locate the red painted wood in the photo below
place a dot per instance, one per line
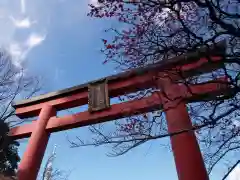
(32, 158)
(130, 85)
(188, 159)
(117, 110)
(23, 131)
(118, 87)
(200, 64)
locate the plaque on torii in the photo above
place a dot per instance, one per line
(98, 98)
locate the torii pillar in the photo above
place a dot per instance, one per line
(188, 158)
(187, 155)
(32, 158)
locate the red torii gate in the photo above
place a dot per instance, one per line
(188, 158)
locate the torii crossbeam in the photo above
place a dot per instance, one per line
(188, 158)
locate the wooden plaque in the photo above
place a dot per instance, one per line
(98, 98)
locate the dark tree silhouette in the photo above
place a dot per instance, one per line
(14, 82)
(154, 31)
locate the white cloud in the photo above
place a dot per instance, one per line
(20, 50)
(95, 3)
(17, 52)
(22, 23)
(15, 49)
(23, 6)
(19, 28)
(235, 174)
(35, 40)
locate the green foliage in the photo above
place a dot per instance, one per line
(8, 151)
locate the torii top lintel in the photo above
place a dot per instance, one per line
(192, 63)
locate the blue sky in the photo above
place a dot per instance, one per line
(55, 40)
